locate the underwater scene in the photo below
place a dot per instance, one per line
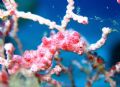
(59, 43)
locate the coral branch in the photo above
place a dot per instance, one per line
(10, 4)
(11, 7)
(102, 41)
(114, 69)
(42, 58)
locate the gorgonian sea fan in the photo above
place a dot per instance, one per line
(42, 57)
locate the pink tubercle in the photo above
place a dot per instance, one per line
(68, 40)
(118, 1)
(84, 22)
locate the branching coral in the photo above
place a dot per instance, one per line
(42, 58)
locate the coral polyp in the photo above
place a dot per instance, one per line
(33, 62)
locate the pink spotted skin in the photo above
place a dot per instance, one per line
(41, 59)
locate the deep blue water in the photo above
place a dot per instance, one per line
(101, 13)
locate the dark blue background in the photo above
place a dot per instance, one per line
(101, 13)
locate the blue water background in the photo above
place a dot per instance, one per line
(101, 13)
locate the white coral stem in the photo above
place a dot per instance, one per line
(102, 41)
(11, 7)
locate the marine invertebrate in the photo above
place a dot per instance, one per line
(42, 58)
